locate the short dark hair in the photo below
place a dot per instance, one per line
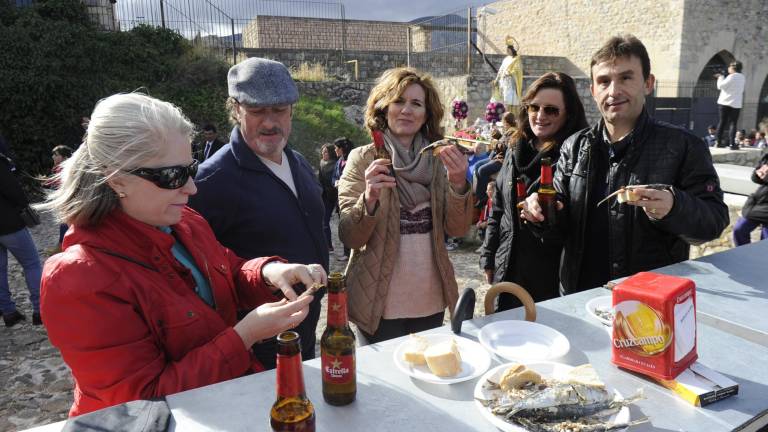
(619, 46)
(736, 65)
(209, 128)
(63, 151)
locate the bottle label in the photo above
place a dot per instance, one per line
(337, 309)
(338, 369)
(290, 376)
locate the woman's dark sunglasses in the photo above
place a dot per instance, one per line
(172, 177)
(548, 110)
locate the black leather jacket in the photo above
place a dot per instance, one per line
(756, 207)
(660, 153)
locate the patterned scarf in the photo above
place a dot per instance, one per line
(413, 171)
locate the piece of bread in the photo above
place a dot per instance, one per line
(415, 354)
(443, 359)
(518, 376)
(585, 375)
(627, 195)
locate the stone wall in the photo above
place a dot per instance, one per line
(738, 27)
(266, 31)
(370, 63)
(681, 36)
(348, 93)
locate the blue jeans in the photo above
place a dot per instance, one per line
(743, 228)
(21, 245)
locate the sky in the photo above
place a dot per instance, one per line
(404, 10)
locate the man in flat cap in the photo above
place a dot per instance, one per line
(260, 197)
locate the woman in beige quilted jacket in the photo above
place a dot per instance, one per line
(396, 205)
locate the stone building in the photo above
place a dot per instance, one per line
(686, 39)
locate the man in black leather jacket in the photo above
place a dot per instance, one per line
(677, 202)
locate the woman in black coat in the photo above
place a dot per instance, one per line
(551, 111)
(330, 195)
(755, 210)
(16, 239)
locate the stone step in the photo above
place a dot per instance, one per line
(736, 179)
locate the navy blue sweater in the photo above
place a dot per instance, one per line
(256, 214)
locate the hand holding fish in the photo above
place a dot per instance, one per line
(456, 164)
(377, 178)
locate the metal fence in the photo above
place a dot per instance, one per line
(692, 105)
(445, 44)
(227, 26)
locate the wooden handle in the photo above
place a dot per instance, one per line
(517, 291)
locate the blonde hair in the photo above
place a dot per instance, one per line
(125, 131)
(390, 86)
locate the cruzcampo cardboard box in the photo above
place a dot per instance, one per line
(700, 385)
(654, 325)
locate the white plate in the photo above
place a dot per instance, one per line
(523, 340)
(602, 303)
(545, 369)
(474, 360)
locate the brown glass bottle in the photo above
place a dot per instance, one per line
(292, 411)
(547, 194)
(337, 347)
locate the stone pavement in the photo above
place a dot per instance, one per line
(37, 386)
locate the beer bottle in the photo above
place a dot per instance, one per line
(547, 195)
(292, 411)
(337, 347)
(520, 191)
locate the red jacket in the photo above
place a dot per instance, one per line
(127, 320)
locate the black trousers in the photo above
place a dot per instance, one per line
(728, 118)
(392, 328)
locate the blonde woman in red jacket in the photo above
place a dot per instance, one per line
(143, 300)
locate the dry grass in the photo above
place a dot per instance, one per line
(309, 72)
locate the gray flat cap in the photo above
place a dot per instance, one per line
(261, 82)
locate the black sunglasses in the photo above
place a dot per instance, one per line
(172, 177)
(548, 110)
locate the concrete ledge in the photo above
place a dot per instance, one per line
(736, 179)
(744, 156)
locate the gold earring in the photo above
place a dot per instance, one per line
(121, 194)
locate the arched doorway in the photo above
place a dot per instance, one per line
(762, 105)
(704, 102)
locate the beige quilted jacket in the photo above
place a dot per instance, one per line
(375, 238)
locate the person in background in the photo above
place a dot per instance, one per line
(760, 140)
(679, 200)
(485, 213)
(399, 277)
(59, 154)
(755, 211)
(143, 300)
(342, 147)
(330, 195)
(212, 142)
(711, 137)
(261, 197)
(729, 104)
(491, 166)
(551, 112)
(16, 239)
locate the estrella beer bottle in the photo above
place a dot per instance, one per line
(547, 194)
(292, 411)
(337, 347)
